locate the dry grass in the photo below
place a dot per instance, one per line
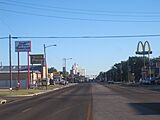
(7, 92)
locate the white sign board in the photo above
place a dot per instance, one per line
(23, 46)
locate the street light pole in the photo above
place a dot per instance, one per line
(45, 61)
(65, 62)
(65, 65)
(128, 67)
(44, 48)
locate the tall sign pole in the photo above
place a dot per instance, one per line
(23, 46)
(144, 52)
(10, 62)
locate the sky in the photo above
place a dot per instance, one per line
(77, 18)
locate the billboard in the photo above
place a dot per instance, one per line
(22, 46)
(37, 59)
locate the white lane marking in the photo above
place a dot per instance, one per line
(26, 110)
(65, 109)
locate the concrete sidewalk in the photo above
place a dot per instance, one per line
(109, 105)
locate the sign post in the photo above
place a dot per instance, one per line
(144, 52)
(36, 59)
(18, 72)
(23, 46)
(28, 72)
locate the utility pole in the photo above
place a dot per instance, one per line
(10, 62)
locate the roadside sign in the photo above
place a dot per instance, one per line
(37, 59)
(22, 46)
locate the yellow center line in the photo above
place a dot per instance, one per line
(88, 111)
(92, 116)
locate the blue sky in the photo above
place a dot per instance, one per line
(93, 54)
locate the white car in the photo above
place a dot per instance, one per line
(63, 82)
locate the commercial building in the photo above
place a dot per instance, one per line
(35, 76)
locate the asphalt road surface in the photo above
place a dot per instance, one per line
(87, 101)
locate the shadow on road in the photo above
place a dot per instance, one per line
(146, 108)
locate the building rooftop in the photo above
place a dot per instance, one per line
(22, 68)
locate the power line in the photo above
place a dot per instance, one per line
(78, 12)
(7, 25)
(84, 10)
(84, 37)
(74, 18)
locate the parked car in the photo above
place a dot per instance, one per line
(148, 81)
(57, 81)
(110, 82)
(157, 81)
(63, 82)
(52, 82)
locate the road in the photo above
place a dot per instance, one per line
(115, 102)
(87, 101)
(73, 103)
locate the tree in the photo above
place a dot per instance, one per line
(51, 70)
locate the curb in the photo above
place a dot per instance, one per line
(53, 89)
(30, 95)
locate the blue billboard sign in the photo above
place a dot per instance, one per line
(22, 46)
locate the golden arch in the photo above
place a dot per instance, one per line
(148, 45)
(144, 51)
(138, 46)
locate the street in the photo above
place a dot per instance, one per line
(115, 102)
(73, 103)
(87, 101)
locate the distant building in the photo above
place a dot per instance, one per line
(82, 72)
(77, 74)
(91, 76)
(35, 74)
(77, 71)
